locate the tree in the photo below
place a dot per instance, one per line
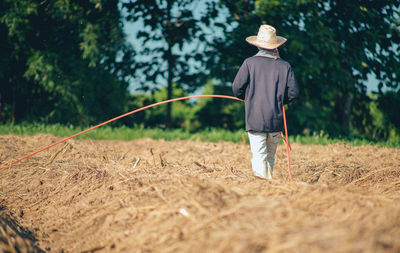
(333, 47)
(171, 35)
(59, 60)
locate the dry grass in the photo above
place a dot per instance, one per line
(184, 196)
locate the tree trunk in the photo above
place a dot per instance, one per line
(169, 89)
(346, 112)
(13, 107)
(170, 66)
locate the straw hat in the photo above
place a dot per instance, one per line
(266, 38)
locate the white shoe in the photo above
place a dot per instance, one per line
(261, 176)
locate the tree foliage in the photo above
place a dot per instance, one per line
(333, 47)
(58, 60)
(67, 61)
(171, 50)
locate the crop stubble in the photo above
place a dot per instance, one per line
(187, 196)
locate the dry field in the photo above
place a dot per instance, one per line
(186, 196)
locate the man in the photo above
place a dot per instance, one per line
(266, 83)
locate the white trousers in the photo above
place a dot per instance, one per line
(263, 147)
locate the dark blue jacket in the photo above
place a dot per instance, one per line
(265, 84)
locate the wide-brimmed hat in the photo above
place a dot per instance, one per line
(266, 38)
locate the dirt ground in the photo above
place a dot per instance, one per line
(187, 196)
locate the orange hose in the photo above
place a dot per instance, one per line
(116, 118)
(286, 140)
(287, 143)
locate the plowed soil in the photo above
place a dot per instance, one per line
(187, 196)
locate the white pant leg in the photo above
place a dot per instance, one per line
(272, 144)
(263, 147)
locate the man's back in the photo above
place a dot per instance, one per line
(263, 82)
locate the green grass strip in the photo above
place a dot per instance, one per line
(209, 135)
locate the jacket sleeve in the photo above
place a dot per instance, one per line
(292, 88)
(241, 81)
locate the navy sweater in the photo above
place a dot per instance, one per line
(265, 84)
